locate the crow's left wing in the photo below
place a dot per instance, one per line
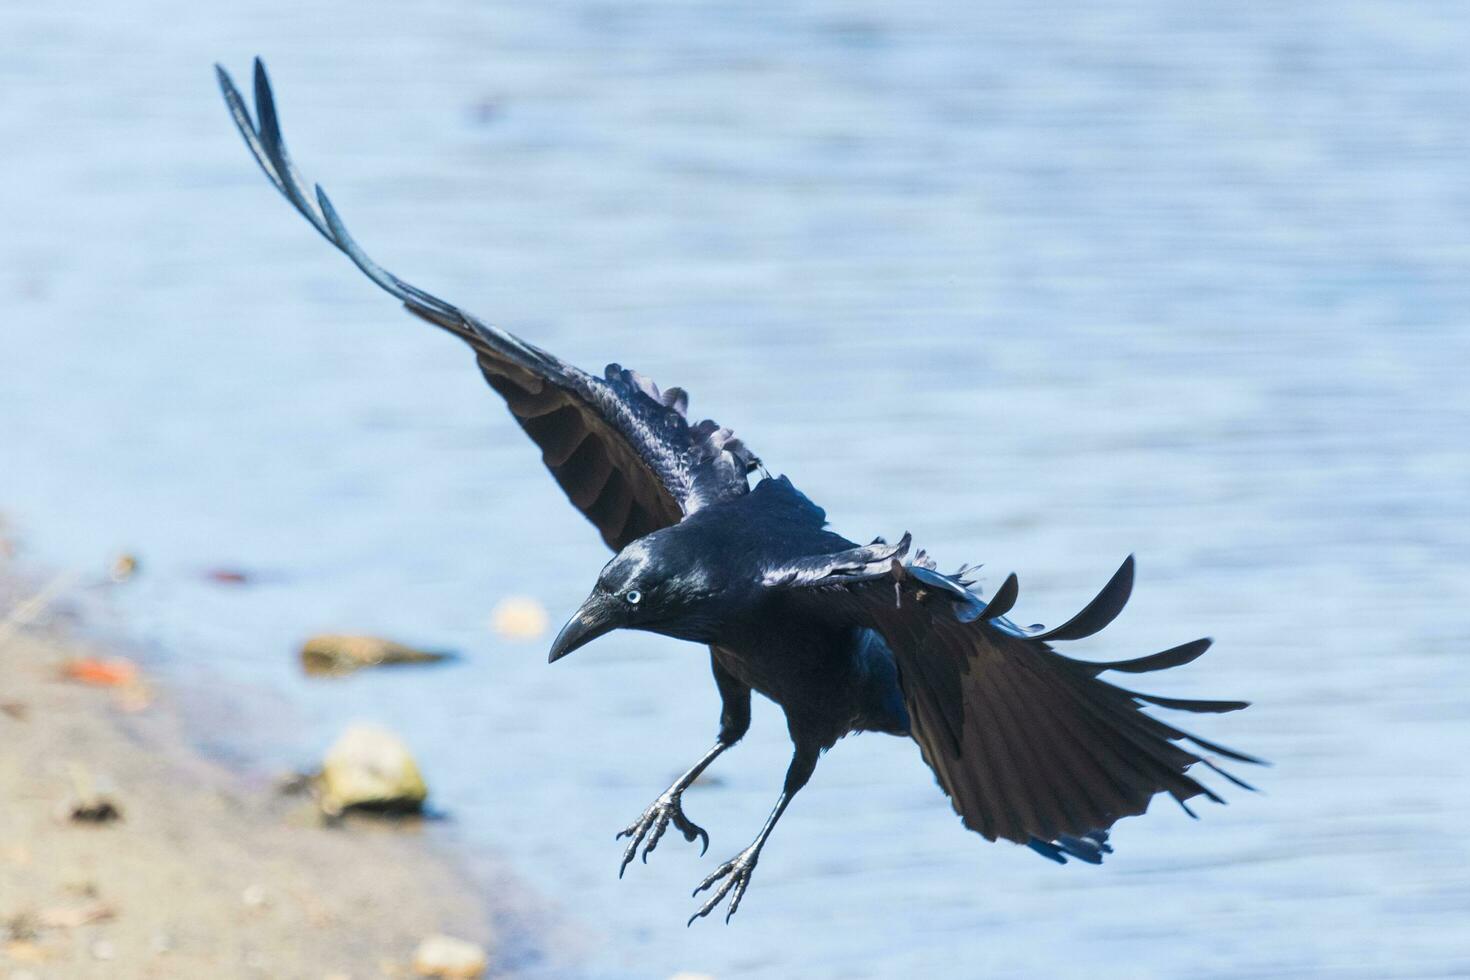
(1030, 746)
(621, 449)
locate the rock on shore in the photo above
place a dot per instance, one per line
(343, 653)
(371, 768)
(447, 958)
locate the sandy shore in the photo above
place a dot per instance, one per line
(203, 875)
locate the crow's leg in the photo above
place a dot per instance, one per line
(737, 870)
(666, 809)
(734, 723)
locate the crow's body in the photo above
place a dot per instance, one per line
(834, 679)
(1030, 746)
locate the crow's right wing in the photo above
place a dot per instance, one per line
(1029, 745)
(621, 449)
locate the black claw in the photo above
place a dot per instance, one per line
(692, 832)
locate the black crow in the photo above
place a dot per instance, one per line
(1030, 746)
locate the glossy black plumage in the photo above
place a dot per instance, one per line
(1031, 746)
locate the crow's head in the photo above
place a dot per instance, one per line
(659, 583)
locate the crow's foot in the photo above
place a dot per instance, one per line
(652, 824)
(736, 872)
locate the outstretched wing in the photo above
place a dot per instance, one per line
(623, 450)
(1031, 746)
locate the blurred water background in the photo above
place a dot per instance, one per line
(1043, 287)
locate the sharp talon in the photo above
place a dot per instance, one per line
(658, 832)
(737, 895)
(632, 849)
(714, 877)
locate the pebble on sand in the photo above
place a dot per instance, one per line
(447, 958)
(89, 803)
(255, 897)
(519, 618)
(370, 768)
(342, 653)
(93, 809)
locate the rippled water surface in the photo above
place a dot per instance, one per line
(1041, 288)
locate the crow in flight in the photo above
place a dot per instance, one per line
(1030, 746)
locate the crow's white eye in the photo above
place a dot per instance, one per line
(633, 596)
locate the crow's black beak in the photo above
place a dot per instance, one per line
(594, 618)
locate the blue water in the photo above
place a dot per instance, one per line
(1042, 287)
